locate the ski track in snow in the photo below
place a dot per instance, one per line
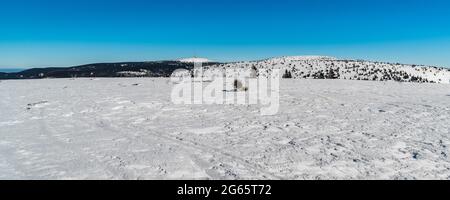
(129, 129)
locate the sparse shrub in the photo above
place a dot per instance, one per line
(238, 86)
(287, 74)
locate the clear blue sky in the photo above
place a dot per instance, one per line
(38, 33)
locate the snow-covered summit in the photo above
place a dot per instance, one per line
(195, 60)
(325, 67)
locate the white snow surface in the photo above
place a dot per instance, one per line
(129, 129)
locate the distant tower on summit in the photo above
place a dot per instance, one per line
(195, 59)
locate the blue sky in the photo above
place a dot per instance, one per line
(42, 33)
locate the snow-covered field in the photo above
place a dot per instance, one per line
(129, 129)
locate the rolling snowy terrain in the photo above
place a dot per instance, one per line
(323, 67)
(129, 129)
(297, 67)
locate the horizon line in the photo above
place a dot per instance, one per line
(217, 61)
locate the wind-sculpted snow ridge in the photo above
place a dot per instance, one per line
(322, 67)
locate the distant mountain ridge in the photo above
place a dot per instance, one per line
(309, 67)
(123, 69)
(11, 70)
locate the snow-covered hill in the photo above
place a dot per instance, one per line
(298, 67)
(322, 67)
